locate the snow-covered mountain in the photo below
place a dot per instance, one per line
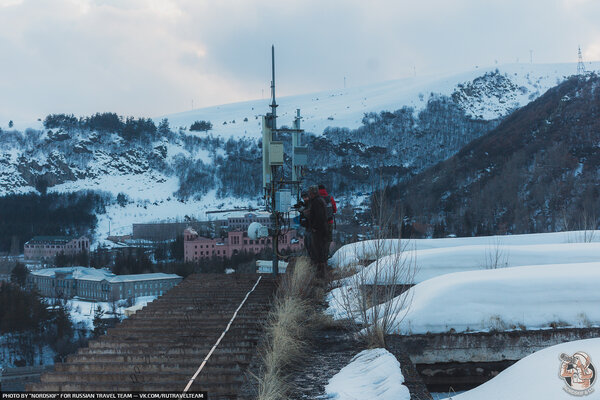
(173, 173)
(536, 172)
(491, 97)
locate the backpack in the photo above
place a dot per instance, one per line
(328, 208)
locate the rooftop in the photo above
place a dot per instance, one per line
(245, 214)
(93, 274)
(52, 239)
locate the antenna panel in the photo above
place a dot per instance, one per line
(300, 156)
(276, 153)
(283, 200)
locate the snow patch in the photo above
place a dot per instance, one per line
(535, 376)
(372, 374)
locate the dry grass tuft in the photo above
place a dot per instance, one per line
(300, 282)
(272, 386)
(289, 326)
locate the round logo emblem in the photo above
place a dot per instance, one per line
(578, 372)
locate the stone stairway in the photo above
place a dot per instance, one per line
(161, 347)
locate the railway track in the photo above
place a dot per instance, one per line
(162, 346)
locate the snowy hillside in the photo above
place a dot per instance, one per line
(494, 97)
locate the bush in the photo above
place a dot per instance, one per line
(122, 199)
(19, 274)
(139, 129)
(64, 121)
(201, 126)
(20, 310)
(105, 122)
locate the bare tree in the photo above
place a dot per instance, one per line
(587, 226)
(496, 255)
(376, 296)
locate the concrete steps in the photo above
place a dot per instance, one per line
(161, 347)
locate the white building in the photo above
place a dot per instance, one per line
(99, 284)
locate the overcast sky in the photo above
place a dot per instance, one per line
(154, 57)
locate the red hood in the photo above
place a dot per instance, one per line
(323, 192)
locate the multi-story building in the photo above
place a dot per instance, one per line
(197, 247)
(99, 284)
(47, 247)
(229, 221)
(239, 221)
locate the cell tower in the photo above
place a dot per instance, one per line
(580, 64)
(278, 191)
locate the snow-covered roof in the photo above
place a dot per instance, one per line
(143, 277)
(464, 285)
(93, 274)
(51, 239)
(266, 267)
(244, 214)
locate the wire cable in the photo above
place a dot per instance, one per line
(220, 338)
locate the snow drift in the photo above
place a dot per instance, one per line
(529, 297)
(535, 376)
(372, 374)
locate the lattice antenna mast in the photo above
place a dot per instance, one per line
(277, 189)
(580, 64)
(273, 103)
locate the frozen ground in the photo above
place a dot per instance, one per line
(354, 253)
(536, 376)
(531, 297)
(429, 263)
(540, 281)
(82, 312)
(372, 374)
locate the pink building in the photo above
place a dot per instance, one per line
(48, 247)
(197, 247)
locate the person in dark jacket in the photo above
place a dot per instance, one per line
(304, 207)
(331, 209)
(317, 219)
